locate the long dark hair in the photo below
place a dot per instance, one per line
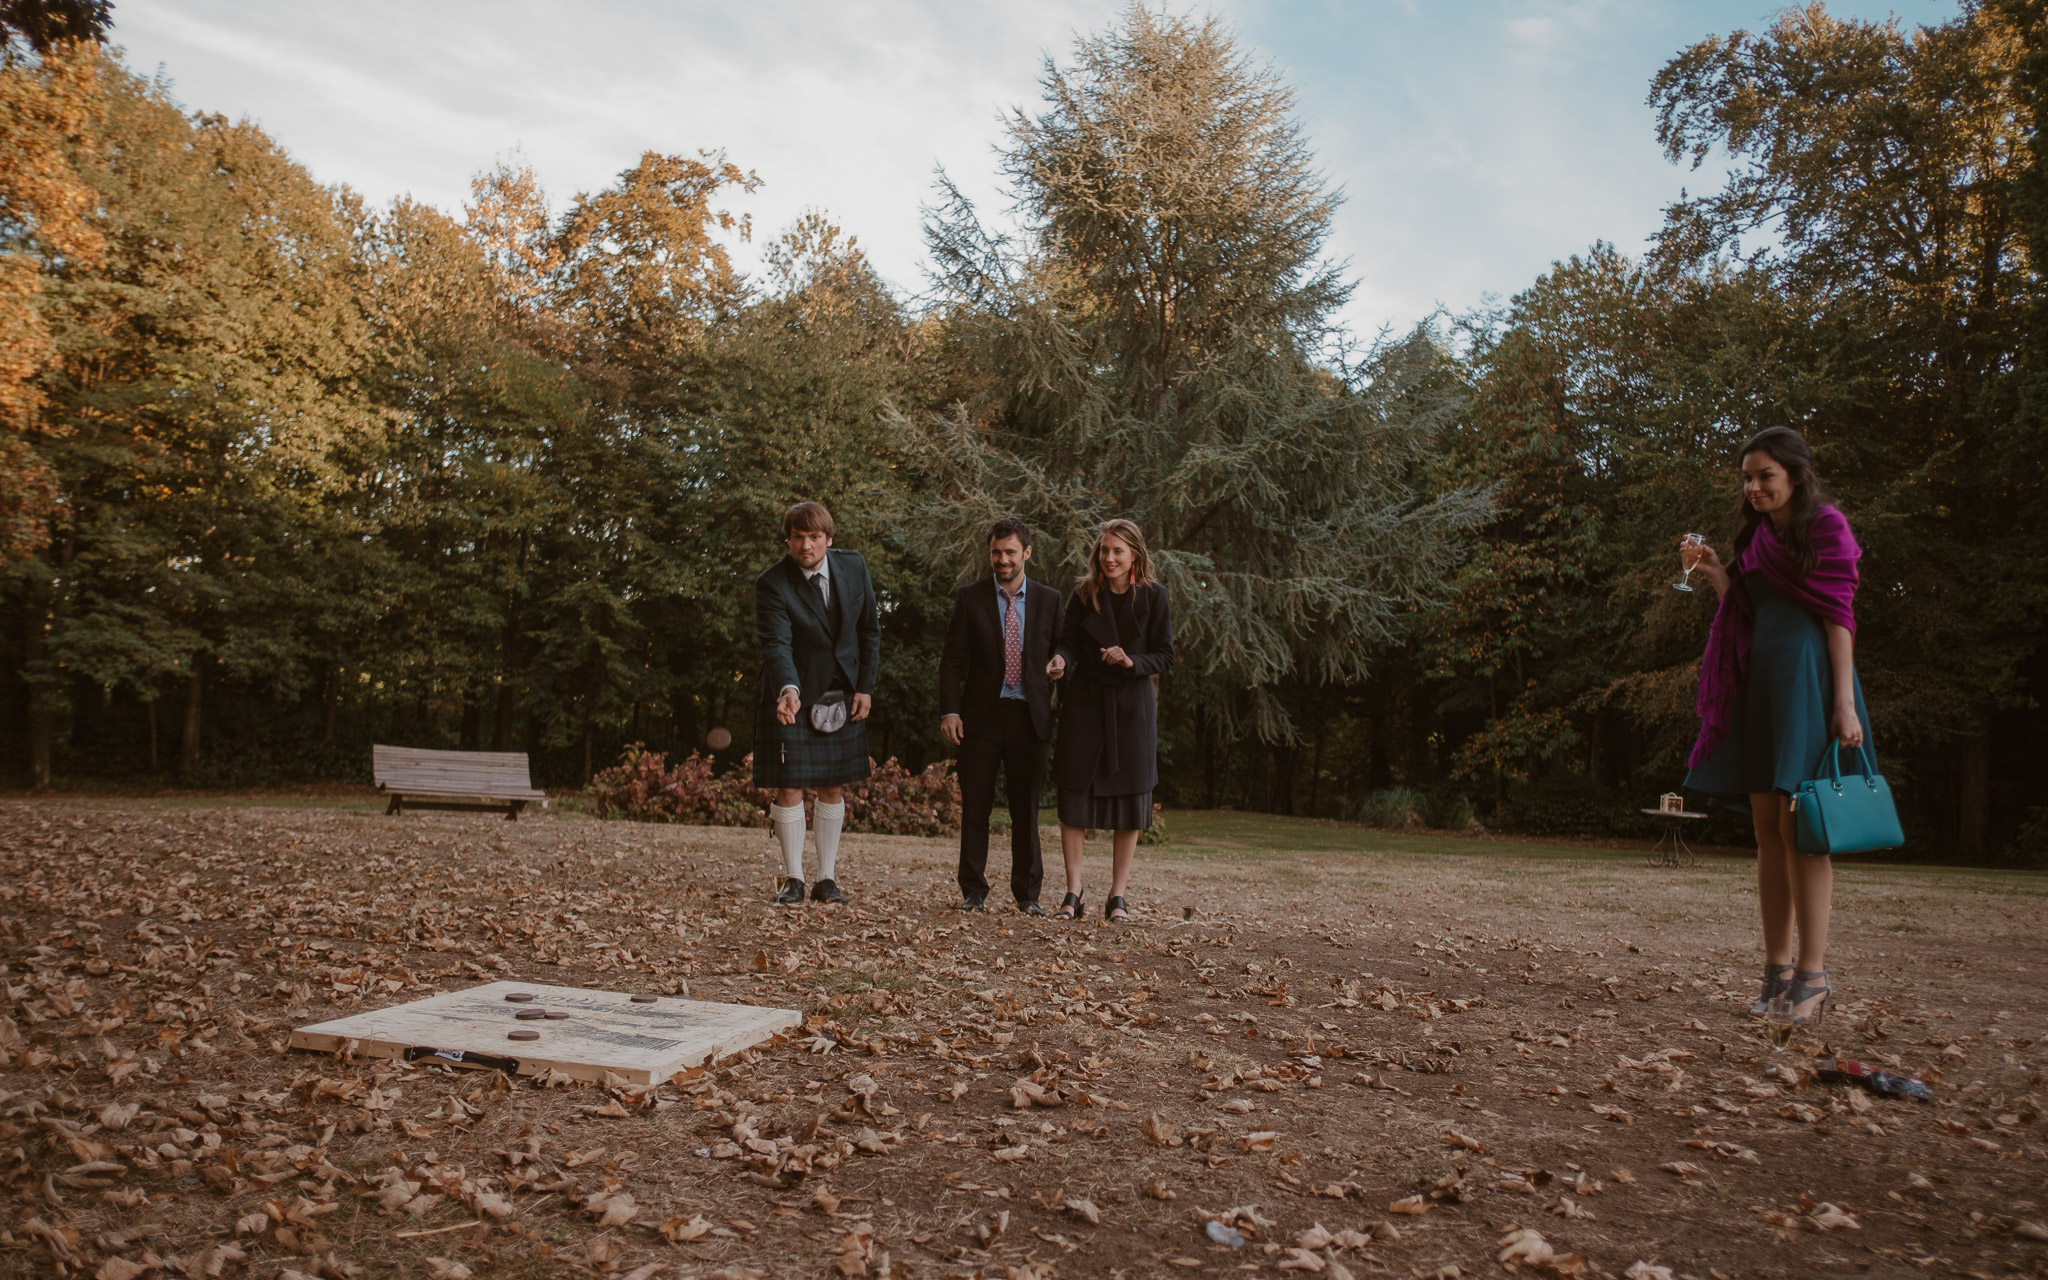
(1789, 450)
(1090, 587)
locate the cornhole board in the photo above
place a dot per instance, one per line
(604, 1032)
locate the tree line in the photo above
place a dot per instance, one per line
(283, 473)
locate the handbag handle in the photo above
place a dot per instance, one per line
(1835, 762)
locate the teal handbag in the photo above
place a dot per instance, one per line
(1846, 815)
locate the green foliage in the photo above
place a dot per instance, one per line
(1158, 833)
(1406, 809)
(1160, 344)
(1396, 808)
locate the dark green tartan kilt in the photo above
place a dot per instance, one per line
(796, 755)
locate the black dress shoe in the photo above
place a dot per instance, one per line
(973, 904)
(1031, 908)
(792, 894)
(826, 891)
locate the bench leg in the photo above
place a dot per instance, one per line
(397, 805)
(512, 810)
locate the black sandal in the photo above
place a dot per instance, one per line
(1114, 905)
(1069, 909)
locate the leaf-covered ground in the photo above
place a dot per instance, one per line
(1406, 1061)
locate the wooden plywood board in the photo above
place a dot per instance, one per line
(604, 1032)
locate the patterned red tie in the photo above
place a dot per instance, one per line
(1013, 644)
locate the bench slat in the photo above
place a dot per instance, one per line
(423, 772)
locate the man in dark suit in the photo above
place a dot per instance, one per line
(995, 705)
(821, 647)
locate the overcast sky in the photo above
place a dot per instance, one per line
(1476, 141)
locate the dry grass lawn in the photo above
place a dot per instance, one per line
(1342, 1052)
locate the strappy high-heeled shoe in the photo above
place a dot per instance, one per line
(1777, 981)
(1070, 908)
(1804, 990)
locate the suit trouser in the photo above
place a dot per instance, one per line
(1011, 741)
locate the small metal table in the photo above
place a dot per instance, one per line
(1671, 850)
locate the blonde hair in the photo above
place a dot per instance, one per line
(1089, 588)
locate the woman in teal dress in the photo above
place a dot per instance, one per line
(1777, 686)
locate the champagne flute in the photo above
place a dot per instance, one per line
(1778, 1020)
(1688, 556)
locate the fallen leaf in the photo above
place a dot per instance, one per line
(1085, 1209)
(683, 1232)
(447, 1269)
(1414, 1205)
(1526, 1246)
(1159, 1132)
(1828, 1217)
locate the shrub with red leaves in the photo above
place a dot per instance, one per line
(892, 800)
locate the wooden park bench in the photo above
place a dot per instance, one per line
(486, 781)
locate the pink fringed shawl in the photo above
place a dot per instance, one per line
(1829, 593)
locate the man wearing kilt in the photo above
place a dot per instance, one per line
(821, 646)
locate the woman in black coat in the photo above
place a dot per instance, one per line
(1118, 634)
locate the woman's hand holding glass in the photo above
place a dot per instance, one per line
(1698, 556)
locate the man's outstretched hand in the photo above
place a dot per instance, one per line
(952, 728)
(788, 705)
(862, 704)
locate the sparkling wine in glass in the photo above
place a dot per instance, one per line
(1688, 556)
(1778, 1020)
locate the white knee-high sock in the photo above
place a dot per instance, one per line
(788, 825)
(826, 821)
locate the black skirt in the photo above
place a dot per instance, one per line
(1080, 808)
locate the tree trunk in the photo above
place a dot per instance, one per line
(1973, 818)
(1315, 770)
(331, 700)
(195, 699)
(151, 704)
(501, 732)
(40, 731)
(1379, 773)
(472, 723)
(1208, 758)
(1281, 799)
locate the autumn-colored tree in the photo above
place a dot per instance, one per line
(48, 106)
(203, 390)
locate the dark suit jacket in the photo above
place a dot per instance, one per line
(971, 664)
(801, 646)
(1109, 719)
